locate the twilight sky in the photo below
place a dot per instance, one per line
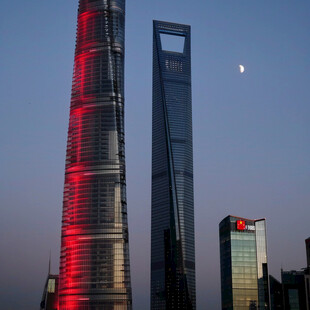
(251, 133)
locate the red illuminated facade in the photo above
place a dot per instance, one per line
(94, 261)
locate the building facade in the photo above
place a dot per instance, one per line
(244, 270)
(295, 293)
(307, 242)
(276, 296)
(307, 270)
(94, 261)
(49, 299)
(172, 244)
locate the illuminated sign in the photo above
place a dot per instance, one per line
(240, 225)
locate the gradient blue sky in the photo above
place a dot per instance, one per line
(251, 133)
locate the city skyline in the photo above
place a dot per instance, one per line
(251, 133)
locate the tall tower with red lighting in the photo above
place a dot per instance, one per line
(94, 260)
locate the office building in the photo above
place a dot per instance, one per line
(295, 294)
(172, 244)
(276, 296)
(244, 270)
(94, 261)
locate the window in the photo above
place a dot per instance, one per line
(51, 286)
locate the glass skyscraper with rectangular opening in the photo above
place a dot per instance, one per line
(94, 261)
(244, 269)
(173, 242)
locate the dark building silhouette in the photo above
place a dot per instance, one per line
(244, 271)
(307, 241)
(294, 291)
(49, 299)
(276, 296)
(173, 244)
(307, 271)
(295, 294)
(94, 260)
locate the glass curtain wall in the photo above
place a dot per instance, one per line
(173, 245)
(94, 261)
(244, 270)
(244, 273)
(262, 269)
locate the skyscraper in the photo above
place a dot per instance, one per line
(244, 270)
(173, 244)
(94, 261)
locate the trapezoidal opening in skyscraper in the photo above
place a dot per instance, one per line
(172, 43)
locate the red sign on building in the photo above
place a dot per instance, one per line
(240, 225)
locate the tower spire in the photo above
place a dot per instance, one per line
(49, 264)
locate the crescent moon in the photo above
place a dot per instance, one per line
(241, 68)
